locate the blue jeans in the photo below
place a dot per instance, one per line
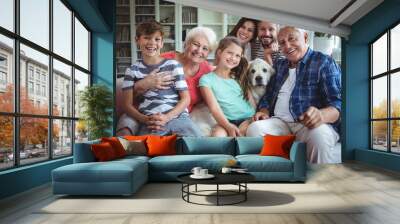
(181, 125)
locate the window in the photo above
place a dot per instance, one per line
(62, 74)
(30, 72)
(3, 78)
(38, 74)
(30, 87)
(3, 71)
(46, 129)
(81, 45)
(3, 61)
(7, 14)
(35, 22)
(37, 89)
(385, 94)
(62, 29)
(7, 73)
(44, 91)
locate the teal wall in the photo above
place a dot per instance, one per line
(103, 51)
(24, 178)
(356, 85)
(99, 17)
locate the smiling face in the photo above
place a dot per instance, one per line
(246, 32)
(230, 56)
(292, 43)
(267, 33)
(150, 44)
(197, 49)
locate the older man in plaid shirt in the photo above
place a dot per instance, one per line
(303, 98)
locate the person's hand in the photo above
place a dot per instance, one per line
(312, 118)
(260, 116)
(233, 131)
(159, 80)
(157, 121)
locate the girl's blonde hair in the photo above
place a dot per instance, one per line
(239, 73)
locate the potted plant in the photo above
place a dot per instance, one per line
(323, 42)
(96, 102)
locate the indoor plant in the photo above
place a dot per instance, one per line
(96, 102)
(323, 42)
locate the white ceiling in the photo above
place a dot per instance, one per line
(316, 15)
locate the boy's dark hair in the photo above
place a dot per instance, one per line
(148, 28)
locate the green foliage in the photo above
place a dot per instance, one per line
(97, 102)
(319, 34)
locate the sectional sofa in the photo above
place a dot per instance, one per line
(125, 176)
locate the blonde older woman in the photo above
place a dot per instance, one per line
(199, 43)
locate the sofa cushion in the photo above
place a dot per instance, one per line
(277, 145)
(111, 171)
(257, 163)
(207, 145)
(83, 152)
(161, 145)
(134, 147)
(185, 163)
(116, 145)
(103, 152)
(249, 145)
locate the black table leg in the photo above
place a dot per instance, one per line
(245, 193)
(217, 194)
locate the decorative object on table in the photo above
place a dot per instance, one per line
(200, 173)
(232, 163)
(196, 170)
(237, 170)
(96, 102)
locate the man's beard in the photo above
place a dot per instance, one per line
(266, 41)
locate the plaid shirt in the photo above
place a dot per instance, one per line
(318, 84)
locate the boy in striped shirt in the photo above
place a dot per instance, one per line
(160, 111)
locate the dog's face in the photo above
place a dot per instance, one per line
(260, 72)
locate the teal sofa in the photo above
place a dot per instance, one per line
(125, 176)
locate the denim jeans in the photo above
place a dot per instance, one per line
(181, 125)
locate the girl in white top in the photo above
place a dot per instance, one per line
(246, 31)
(226, 90)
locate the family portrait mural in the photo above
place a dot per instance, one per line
(246, 78)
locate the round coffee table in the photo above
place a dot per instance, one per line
(238, 179)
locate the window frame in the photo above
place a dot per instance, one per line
(388, 74)
(16, 114)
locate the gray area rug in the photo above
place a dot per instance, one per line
(166, 198)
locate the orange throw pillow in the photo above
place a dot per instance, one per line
(277, 145)
(161, 145)
(116, 145)
(103, 151)
(136, 137)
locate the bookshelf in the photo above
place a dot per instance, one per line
(177, 20)
(123, 36)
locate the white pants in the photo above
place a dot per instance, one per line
(320, 141)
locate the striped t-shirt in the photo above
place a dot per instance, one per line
(156, 100)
